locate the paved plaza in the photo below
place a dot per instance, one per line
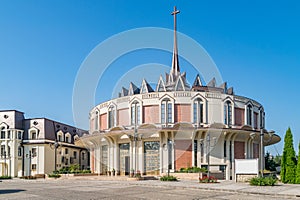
(94, 188)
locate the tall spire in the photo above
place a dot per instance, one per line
(175, 62)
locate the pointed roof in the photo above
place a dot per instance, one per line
(145, 88)
(224, 86)
(197, 81)
(179, 84)
(161, 87)
(212, 83)
(133, 89)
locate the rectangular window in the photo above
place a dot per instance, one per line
(75, 155)
(133, 115)
(229, 115)
(66, 151)
(83, 156)
(19, 151)
(169, 113)
(201, 112)
(111, 118)
(225, 114)
(19, 135)
(8, 134)
(138, 115)
(3, 150)
(163, 113)
(225, 153)
(33, 135)
(33, 167)
(2, 134)
(33, 152)
(195, 112)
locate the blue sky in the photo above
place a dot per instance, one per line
(255, 45)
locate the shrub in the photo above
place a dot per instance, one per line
(54, 175)
(5, 177)
(192, 170)
(263, 181)
(208, 179)
(168, 178)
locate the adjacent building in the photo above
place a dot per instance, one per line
(175, 125)
(37, 146)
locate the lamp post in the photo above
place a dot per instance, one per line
(55, 146)
(208, 147)
(168, 147)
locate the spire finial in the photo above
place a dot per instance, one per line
(175, 62)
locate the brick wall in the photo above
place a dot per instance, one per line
(183, 154)
(150, 114)
(123, 117)
(92, 159)
(103, 121)
(239, 150)
(182, 113)
(239, 116)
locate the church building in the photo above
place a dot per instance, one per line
(175, 125)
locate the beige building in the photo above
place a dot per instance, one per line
(37, 146)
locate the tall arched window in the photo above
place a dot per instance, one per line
(262, 118)
(96, 120)
(166, 111)
(2, 133)
(198, 111)
(228, 113)
(111, 117)
(249, 115)
(135, 113)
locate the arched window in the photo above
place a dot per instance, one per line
(60, 137)
(228, 113)
(166, 111)
(249, 115)
(33, 135)
(68, 138)
(198, 111)
(135, 113)
(111, 117)
(2, 133)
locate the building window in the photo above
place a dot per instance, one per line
(228, 113)
(19, 151)
(224, 149)
(33, 152)
(19, 135)
(3, 153)
(96, 121)
(66, 151)
(135, 113)
(198, 111)
(33, 167)
(111, 117)
(8, 134)
(33, 135)
(75, 155)
(166, 109)
(2, 133)
(249, 115)
(82, 155)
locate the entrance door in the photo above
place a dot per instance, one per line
(151, 157)
(124, 159)
(104, 159)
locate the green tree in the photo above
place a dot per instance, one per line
(288, 161)
(298, 167)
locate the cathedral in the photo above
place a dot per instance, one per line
(175, 125)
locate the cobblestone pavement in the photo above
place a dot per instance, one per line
(99, 189)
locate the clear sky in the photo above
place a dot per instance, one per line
(255, 45)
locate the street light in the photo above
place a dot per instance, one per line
(208, 147)
(262, 147)
(168, 147)
(55, 146)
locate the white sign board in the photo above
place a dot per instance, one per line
(246, 166)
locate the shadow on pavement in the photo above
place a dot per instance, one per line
(10, 191)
